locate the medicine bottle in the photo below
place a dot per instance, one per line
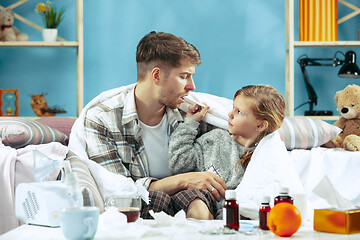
(231, 210)
(283, 196)
(264, 212)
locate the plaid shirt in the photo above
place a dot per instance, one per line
(113, 136)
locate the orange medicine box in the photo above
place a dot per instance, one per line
(337, 221)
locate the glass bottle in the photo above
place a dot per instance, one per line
(283, 196)
(231, 210)
(72, 183)
(264, 212)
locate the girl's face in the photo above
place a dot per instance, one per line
(241, 121)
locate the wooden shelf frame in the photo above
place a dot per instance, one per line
(350, 15)
(291, 44)
(39, 44)
(61, 43)
(338, 44)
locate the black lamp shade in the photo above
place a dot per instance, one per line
(349, 69)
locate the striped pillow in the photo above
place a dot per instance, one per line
(19, 132)
(86, 181)
(306, 133)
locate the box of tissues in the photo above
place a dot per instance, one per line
(337, 221)
(343, 217)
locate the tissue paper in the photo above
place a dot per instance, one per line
(163, 219)
(113, 225)
(326, 190)
(343, 218)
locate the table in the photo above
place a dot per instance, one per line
(189, 229)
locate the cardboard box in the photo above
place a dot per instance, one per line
(337, 221)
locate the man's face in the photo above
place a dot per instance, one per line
(177, 84)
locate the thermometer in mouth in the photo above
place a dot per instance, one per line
(188, 100)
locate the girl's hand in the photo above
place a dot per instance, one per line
(196, 112)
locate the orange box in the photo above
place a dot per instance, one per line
(337, 221)
(318, 20)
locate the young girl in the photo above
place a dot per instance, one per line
(258, 111)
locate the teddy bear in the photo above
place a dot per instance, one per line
(7, 31)
(348, 105)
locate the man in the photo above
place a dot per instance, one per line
(128, 133)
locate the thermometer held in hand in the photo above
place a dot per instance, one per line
(188, 100)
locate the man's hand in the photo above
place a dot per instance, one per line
(192, 180)
(196, 112)
(206, 181)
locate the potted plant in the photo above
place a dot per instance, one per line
(52, 18)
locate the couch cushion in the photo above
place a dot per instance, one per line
(63, 124)
(19, 132)
(86, 180)
(305, 133)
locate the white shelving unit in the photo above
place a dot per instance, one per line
(291, 44)
(61, 43)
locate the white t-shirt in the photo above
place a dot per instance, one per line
(156, 142)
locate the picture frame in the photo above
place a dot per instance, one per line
(9, 102)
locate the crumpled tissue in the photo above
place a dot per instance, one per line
(113, 225)
(163, 219)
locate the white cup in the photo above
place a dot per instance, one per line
(79, 223)
(300, 202)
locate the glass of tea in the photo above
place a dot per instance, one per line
(130, 206)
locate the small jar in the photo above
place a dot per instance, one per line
(231, 210)
(283, 196)
(264, 212)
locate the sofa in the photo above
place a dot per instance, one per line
(18, 134)
(303, 138)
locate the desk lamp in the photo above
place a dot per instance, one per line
(348, 70)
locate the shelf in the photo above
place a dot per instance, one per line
(61, 43)
(34, 118)
(325, 118)
(40, 44)
(336, 44)
(291, 45)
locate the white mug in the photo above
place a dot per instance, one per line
(79, 223)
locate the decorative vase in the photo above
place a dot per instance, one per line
(49, 34)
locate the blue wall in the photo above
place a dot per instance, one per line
(241, 42)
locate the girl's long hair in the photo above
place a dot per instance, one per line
(268, 104)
